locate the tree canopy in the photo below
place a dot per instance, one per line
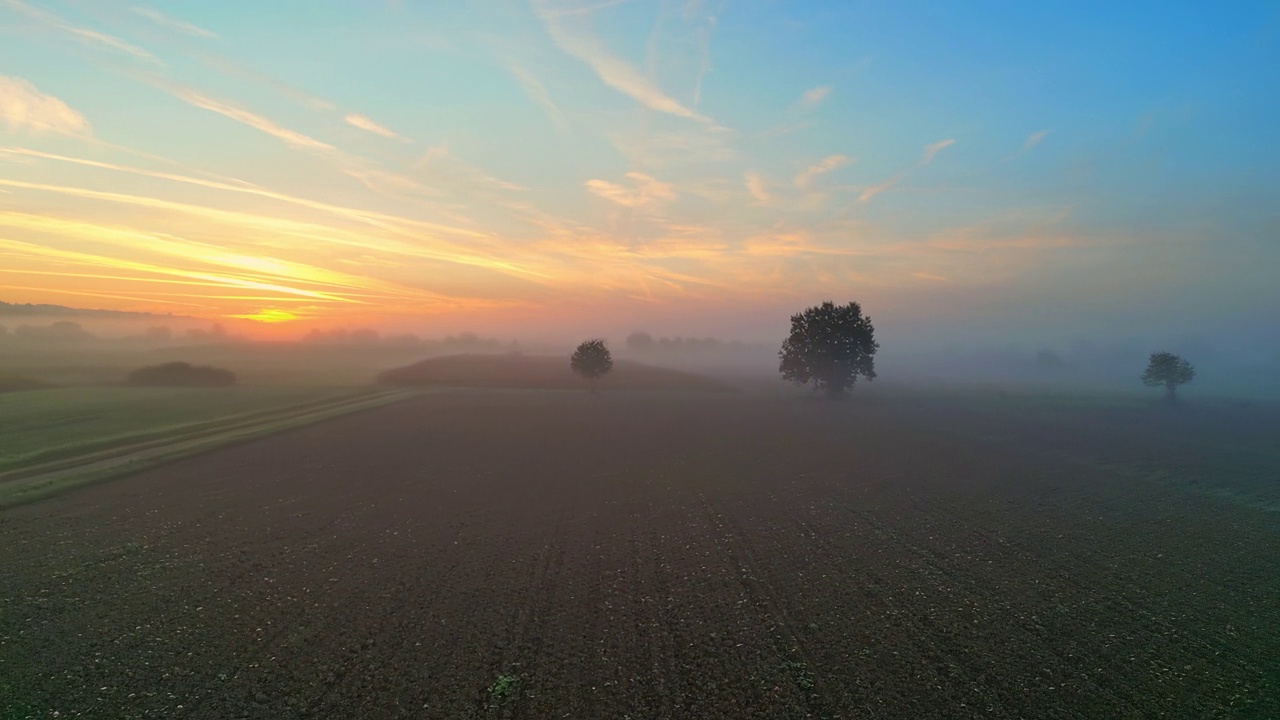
(1169, 370)
(830, 346)
(592, 360)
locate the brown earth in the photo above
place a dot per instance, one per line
(556, 555)
(542, 372)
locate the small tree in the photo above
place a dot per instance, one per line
(1169, 370)
(829, 346)
(592, 360)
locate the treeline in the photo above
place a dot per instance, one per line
(642, 342)
(67, 331)
(461, 342)
(64, 332)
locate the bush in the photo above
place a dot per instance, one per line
(180, 374)
(17, 383)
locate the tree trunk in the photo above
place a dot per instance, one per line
(1172, 392)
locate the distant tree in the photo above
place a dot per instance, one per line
(639, 342)
(592, 361)
(217, 332)
(403, 340)
(1169, 370)
(466, 341)
(829, 346)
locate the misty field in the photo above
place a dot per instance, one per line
(548, 555)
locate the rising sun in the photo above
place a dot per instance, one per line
(268, 315)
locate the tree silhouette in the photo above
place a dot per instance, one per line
(592, 360)
(830, 346)
(1169, 370)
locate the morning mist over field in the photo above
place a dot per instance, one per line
(979, 179)
(661, 359)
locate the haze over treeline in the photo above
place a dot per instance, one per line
(1239, 364)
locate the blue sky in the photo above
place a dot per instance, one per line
(1027, 169)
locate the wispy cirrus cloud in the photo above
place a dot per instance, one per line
(183, 251)
(615, 72)
(537, 92)
(709, 17)
(584, 9)
(704, 64)
(269, 230)
(931, 151)
(806, 177)
(813, 97)
(289, 137)
(95, 260)
(645, 191)
(880, 187)
(1034, 139)
(23, 107)
(92, 37)
(756, 186)
(364, 123)
(368, 217)
(793, 117)
(789, 244)
(239, 71)
(170, 23)
(929, 276)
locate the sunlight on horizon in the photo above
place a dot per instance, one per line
(268, 315)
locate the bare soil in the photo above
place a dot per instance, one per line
(553, 555)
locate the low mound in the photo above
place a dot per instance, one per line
(542, 373)
(180, 374)
(17, 383)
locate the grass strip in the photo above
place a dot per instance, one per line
(26, 485)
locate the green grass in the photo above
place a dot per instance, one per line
(44, 425)
(35, 482)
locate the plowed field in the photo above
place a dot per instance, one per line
(544, 555)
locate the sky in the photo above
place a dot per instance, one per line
(1038, 170)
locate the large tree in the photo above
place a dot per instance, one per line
(592, 361)
(830, 346)
(1169, 370)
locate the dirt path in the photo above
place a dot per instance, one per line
(521, 555)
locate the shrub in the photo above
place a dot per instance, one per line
(181, 374)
